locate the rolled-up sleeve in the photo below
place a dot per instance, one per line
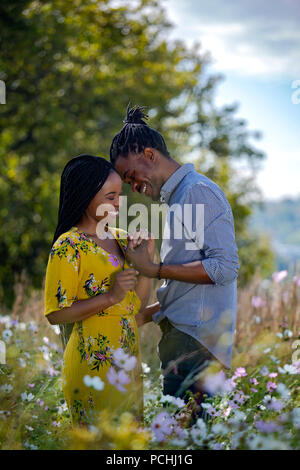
(220, 253)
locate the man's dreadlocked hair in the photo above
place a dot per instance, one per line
(81, 179)
(136, 135)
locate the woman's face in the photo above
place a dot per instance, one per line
(108, 194)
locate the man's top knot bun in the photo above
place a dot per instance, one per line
(135, 115)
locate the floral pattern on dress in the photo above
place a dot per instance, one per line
(96, 351)
(128, 338)
(92, 287)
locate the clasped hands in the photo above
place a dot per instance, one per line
(140, 253)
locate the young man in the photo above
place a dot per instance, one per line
(197, 303)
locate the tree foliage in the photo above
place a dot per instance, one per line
(70, 68)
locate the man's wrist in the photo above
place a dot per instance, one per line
(153, 270)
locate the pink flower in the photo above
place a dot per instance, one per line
(240, 372)
(273, 375)
(253, 381)
(118, 379)
(258, 302)
(279, 276)
(271, 386)
(254, 390)
(31, 385)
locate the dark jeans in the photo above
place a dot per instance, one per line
(182, 358)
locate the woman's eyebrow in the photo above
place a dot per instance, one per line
(112, 192)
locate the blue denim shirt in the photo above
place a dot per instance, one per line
(207, 312)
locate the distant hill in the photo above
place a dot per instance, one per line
(281, 221)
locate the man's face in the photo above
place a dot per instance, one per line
(138, 170)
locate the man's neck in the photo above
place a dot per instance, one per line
(170, 167)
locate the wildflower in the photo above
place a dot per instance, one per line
(279, 276)
(31, 385)
(296, 418)
(253, 381)
(275, 404)
(254, 390)
(280, 335)
(146, 368)
(56, 424)
(288, 333)
(94, 382)
(240, 372)
(162, 426)
(6, 388)
(283, 391)
(174, 400)
(27, 397)
(118, 379)
(264, 371)
(258, 302)
(288, 369)
(271, 386)
(124, 360)
(7, 334)
(266, 351)
(267, 427)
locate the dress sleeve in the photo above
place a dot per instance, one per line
(62, 275)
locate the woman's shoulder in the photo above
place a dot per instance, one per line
(67, 240)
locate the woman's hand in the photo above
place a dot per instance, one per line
(124, 281)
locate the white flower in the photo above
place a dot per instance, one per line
(288, 333)
(174, 400)
(296, 418)
(94, 382)
(283, 391)
(280, 335)
(27, 397)
(6, 388)
(288, 369)
(146, 368)
(56, 329)
(124, 360)
(22, 362)
(6, 334)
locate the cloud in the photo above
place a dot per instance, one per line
(249, 37)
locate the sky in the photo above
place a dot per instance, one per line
(255, 45)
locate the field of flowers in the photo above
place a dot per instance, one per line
(256, 405)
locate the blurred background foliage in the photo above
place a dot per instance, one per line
(70, 69)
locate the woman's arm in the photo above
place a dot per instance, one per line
(82, 309)
(145, 316)
(143, 289)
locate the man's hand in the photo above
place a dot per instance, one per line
(137, 238)
(140, 258)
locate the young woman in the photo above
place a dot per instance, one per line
(94, 296)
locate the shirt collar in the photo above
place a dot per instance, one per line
(174, 180)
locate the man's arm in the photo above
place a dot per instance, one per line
(220, 263)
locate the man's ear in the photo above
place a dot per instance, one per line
(149, 154)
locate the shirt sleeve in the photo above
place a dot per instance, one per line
(62, 276)
(219, 248)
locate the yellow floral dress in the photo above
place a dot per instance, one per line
(99, 370)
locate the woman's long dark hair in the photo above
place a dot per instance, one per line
(81, 179)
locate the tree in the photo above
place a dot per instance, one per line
(70, 69)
